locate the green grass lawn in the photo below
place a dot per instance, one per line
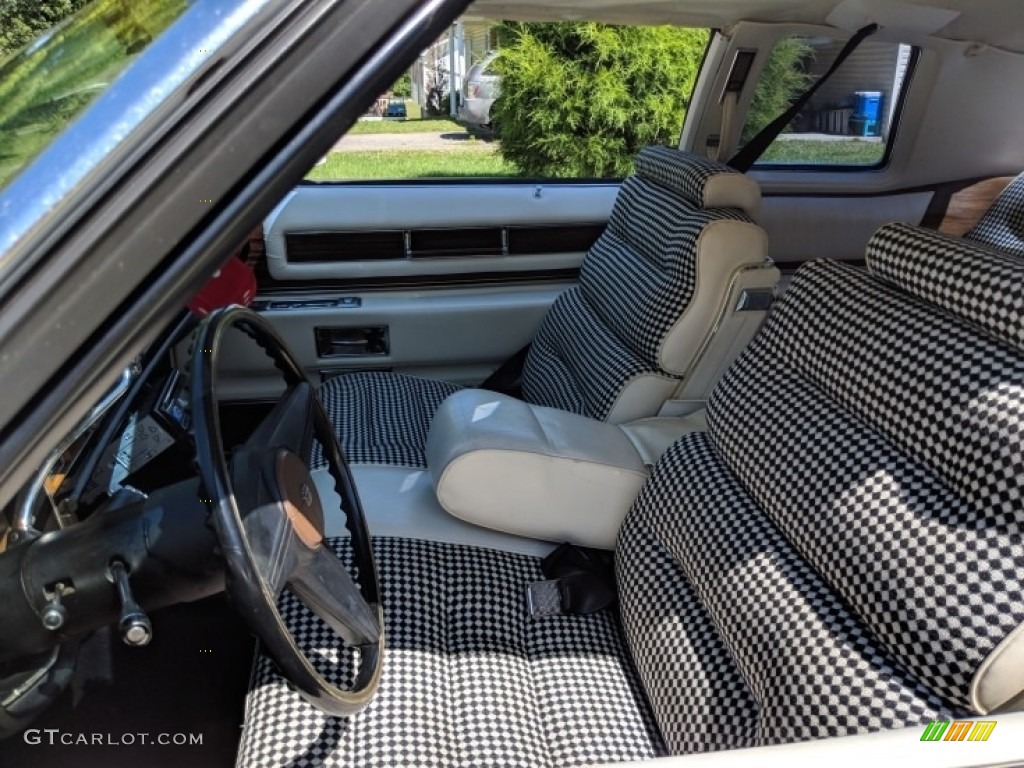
(809, 151)
(427, 125)
(410, 164)
(426, 164)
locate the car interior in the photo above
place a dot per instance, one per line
(718, 463)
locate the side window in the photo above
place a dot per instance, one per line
(492, 99)
(850, 121)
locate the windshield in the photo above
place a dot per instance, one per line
(50, 82)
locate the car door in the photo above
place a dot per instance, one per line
(443, 279)
(428, 255)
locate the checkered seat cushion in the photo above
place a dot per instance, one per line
(1002, 226)
(614, 347)
(382, 418)
(843, 550)
(469, 681)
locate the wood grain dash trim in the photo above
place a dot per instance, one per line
(967, 206)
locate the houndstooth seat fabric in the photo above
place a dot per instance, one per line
(843, 550)
(601, 349)
(468, 679)
(1002, 226)
(381, 418)
(603, 338)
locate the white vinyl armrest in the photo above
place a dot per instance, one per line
(533, 471)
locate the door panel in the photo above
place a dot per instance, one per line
(482, 225)
(803, 228)
(439, 280)
(458, 336)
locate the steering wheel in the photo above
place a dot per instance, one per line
(270, 522)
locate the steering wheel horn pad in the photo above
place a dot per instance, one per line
(298, 496)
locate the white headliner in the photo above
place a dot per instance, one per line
(999, 23)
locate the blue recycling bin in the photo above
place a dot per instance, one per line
(867, 113)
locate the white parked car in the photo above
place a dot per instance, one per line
(479, 91)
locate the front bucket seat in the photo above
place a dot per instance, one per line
(616, 346)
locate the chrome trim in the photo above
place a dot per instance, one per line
(33, 680)
(24, 521)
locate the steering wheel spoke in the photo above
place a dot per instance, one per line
(323, 583)
(274, 545)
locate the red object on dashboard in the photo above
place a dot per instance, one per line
(234, 283)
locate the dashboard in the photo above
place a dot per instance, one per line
(153, 428)
(134, 445)
(136, 437)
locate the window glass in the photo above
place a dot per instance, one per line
(541, 100)
(50, 82)
(851, 118)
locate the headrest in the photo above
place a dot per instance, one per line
(704, 183)
(979, 284)
(1002, 226)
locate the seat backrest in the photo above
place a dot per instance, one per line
(843, 550)
(652, 289)
(1002, 226)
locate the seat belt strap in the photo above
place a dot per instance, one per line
(746, 157)
(508, 376)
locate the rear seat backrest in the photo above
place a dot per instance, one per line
(846, 543)
(616, 346)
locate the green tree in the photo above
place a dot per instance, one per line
(402, 88)
(21, 21)
(783, 79)
(581, 99)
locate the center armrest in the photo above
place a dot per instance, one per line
(533, 471)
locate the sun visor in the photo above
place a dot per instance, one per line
(902, 19)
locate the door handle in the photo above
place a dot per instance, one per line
(359, 341)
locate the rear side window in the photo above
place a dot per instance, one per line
(850, 121)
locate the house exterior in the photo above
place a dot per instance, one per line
(466, 42)
(873, 66)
